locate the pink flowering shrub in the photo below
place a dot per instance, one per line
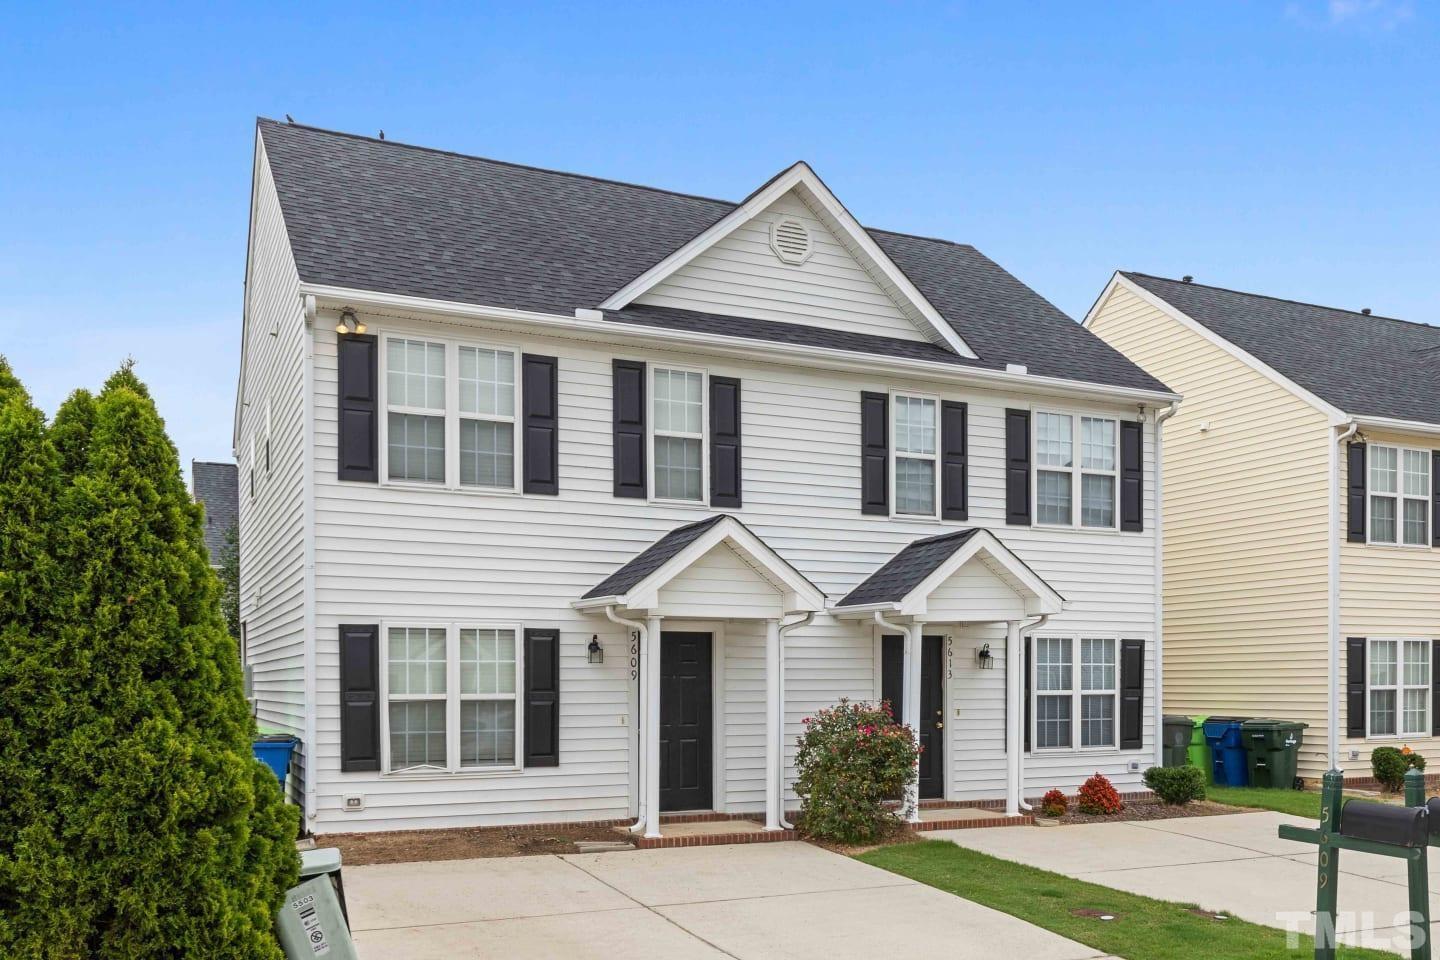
(853, 758)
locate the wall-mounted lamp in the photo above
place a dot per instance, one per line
(597, 652)
(984, 658)
(348, 323)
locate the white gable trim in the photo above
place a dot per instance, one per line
(845, 228)
(799, 595)
(1038, 596)
(1248, 359)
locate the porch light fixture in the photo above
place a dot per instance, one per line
(348, 323)
(597, 652)
(984, 658)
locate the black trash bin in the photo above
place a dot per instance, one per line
(1272, 748)
(1176, 739)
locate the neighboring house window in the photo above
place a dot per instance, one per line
(1063, 480)
(1062, 693)
(451, 697)
(439, 394)
(269, 431)
(1399, 688)
(252, 465)
(913, 457)
(1399, 496)
(679, 434)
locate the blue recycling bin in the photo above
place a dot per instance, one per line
(1229, 765)
(274, 751)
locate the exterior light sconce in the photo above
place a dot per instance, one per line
(597, 652)
(984, 659)
(348, 323)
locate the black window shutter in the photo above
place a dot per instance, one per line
(874, 453)
(892, 674)
(542, 698)
(1132, 694)
(1355, 494)
(359, 697)
(1132, 476)
(540, 411)
(356, 457)
(954, 464)
(1017, 467)
(1434, 497)
(628, 401)
(724, 442)
(1025, 665)
(1354, 686)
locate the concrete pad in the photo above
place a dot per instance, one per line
(636, 932)
(695, 874)
(1259, 831)
(1092, 847)
(710, 828)
(911, 920)
(457, 891)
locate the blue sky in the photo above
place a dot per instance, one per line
(1287, 148)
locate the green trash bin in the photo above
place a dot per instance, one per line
(1272, 749)
(1176, 740)
(1196, 753)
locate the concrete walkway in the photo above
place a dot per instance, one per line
(1232, 864)
(753, 902)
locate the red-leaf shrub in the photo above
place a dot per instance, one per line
(853, 759)
(1054, 804)
(1099, 796)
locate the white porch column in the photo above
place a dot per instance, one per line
(911, 696)
(774, 726)
(1015, 716)
(650, 728)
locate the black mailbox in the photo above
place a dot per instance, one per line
(1385, 823)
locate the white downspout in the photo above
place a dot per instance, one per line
(309, 656)
(1159, 680)
(1332, 721)
(910, 697)
(780, 718)
(1040, 621)
(635, 750)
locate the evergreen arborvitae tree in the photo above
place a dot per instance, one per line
(153, 833)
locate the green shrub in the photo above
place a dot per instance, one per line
(134, 822)
(1176, 785)
(853, 760)
(1389, 765)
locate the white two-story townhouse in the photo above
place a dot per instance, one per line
(568, 500)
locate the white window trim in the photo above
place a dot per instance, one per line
(893, 454)
(1075, 470)
(1076, 693)
(1399, 686)
(451, 415)
(703, 436)
(452, 698)
(1399, 496)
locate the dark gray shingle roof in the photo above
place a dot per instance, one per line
(1363, 364)
(904, 572)
(217, 487)
(652, 558)
(384, 216)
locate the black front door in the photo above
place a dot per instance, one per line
(932, 704)
(685, 722)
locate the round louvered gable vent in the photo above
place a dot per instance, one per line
(791, 241)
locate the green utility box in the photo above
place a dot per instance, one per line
(1272, 748)
(1176, 742)
(1197, 753)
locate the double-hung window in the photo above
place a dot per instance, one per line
(1399, 687)
(451, 697)
(1063, 693)
(442, 396)
(914, 455)
(1063, 480)
(1399, 495)
(678, 440)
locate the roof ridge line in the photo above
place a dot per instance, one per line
(1267, 296)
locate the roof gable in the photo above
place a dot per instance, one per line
(843, 255)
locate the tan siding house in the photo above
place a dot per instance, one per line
(1248, 552)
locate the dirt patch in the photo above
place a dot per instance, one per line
(1093, 914)
(1208, 915)
(894, 839)
(1153, 810)
(404, 846)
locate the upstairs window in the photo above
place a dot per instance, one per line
(1399, 496)
(415, 403)
(678, 440)
(1065, 481)
(487, 418)
(914, 457)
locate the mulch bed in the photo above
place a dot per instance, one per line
(404, 846)
(1151, 810)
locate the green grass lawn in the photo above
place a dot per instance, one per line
(1302, 803)
(1143, 929)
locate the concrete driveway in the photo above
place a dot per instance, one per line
(1234, 864)
(756, 901)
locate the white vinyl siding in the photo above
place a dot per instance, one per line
(913, 456)
(1399, 495)
(1398, 687)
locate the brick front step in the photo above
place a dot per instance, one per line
(715, 839)
(973, 823)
